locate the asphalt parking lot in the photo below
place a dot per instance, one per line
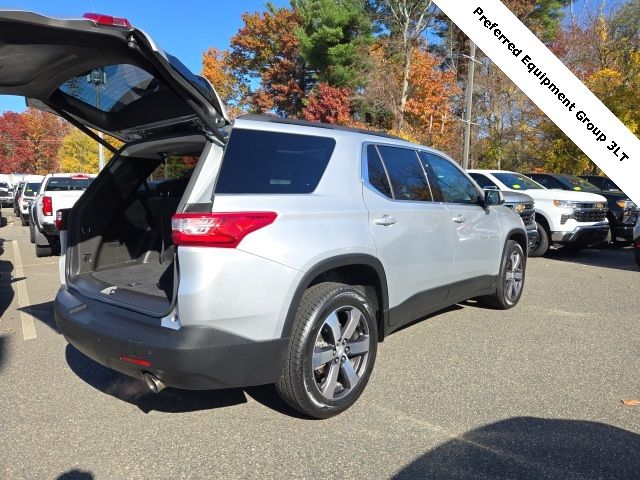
(469, 393)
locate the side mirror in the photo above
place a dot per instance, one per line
(493, 197)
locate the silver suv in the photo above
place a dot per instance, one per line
(210, 255)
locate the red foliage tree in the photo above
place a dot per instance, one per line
(329, 105)
(14, 148)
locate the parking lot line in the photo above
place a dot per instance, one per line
(28, 325)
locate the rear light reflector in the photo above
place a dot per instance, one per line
(58, 220)
(135, 361)
(217, 229)
(108, 20)
(47, 207)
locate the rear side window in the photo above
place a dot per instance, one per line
(60, 184)
(273, 162)
(407, 176)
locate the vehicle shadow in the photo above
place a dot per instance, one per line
(617, 258)
(43, 312)
(75, 475)
(530, 448)
(169, 400)
(3, 341)
(6, 290)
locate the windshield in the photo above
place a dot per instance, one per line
(578, 184)
(517, 181)
(4, 185)
(31, 189)
(58, 184)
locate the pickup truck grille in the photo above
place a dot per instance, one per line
(529, 218)
(590, 216)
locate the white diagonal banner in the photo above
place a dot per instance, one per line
(552, 87)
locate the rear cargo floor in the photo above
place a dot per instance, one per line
(150, 278)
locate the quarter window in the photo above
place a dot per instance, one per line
(455, 187)
(407, 176)
(377, 175)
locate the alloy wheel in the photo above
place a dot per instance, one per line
(341, 352)
(513, 276)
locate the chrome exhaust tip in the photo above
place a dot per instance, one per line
(153, 382)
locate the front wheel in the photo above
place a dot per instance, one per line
(542, 244)
(332, 350)
(510, 282)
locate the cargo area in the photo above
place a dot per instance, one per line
(120, 244)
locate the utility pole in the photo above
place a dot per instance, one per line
(99, 78)
(468, 104)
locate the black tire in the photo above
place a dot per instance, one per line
(542, 246)
(503, 298)
(24, 221)
(300, 385)
(32, 233)
(637, 255)
(45, 251)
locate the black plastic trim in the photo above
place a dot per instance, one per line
(333, 263)
(192, 357)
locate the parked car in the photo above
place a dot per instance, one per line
(602, 183)
(6, 195)
(636, 241)
(16, 198)
(524, 206)
(27, 194)
(57, 191)
(572, 219)
(622, 212)
(284, 257)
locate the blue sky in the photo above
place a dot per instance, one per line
(183, 28)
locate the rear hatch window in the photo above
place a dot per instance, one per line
(65, 184)
(273, 163)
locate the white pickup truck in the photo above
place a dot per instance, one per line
(568, 218)
(57, 191)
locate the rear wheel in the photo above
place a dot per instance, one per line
(32, 233)
(24, 221)
(332, 350)
(510, 281)
(542, 245)
(637, 254)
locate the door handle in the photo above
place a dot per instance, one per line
(386, 220)
(459, 219)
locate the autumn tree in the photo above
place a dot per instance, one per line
(216, 67)
(14, 148)
(78, 153)
(45, 132)
(406, 21)
(266, 50)
(430, 103)
(329, 105)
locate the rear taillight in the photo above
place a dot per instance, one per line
(58, 221)
(108, 20)
(47, 207)
(217, 229)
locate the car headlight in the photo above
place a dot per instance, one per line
(565, 204)
(519, 207)
(626, 204)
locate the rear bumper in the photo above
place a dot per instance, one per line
(583, 235)
(195, 357)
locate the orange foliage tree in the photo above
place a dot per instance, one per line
(429, 105)
(267, 49)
